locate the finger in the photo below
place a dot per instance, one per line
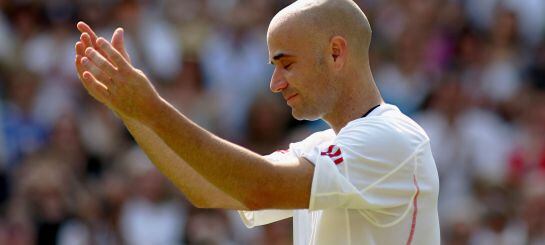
(84, 28)
(80, 48)
(98, 90)
(86, 40)
(100, 61)
(79, 66)
(79, 55)
(118, 41)
(113, 55)
(91, 37)
(87, 65)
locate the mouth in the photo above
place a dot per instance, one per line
(288, 98)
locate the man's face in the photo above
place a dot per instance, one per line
(301, 74)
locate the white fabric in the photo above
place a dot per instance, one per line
(383, 189)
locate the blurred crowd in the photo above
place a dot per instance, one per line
(472, 73)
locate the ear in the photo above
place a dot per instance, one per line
(338, 48)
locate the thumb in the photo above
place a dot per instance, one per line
(118, 41)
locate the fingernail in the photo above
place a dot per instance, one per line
(85, 60)
(101, 42)
(88, 51)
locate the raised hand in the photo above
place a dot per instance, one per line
(88, 39)
(105, 71)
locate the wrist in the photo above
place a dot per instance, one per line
(154, 111)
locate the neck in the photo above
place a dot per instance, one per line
(355, 101)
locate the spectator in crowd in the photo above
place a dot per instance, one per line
(150, 216)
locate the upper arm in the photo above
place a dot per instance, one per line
(293, 174)
(288, 185)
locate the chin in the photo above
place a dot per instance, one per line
(300, 116)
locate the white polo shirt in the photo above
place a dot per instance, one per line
(374, 183)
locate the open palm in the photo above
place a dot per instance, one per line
(106, 72)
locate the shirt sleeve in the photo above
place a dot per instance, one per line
(371, 168)
(263, 217)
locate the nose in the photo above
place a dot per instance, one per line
(278, 82)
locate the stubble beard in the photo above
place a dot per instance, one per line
(312, 109)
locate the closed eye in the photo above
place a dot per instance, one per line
(288, 66)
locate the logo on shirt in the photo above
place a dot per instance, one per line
(333, 152)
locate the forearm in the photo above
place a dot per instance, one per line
(110, 78)
(244, 175)
(198, 190)
(240, 173)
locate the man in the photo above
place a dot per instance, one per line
(371, 179)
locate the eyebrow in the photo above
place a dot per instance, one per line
(279, 56)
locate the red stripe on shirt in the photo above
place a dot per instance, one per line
(415, 211)
(337, 153)
(336, 156)
(338, 161)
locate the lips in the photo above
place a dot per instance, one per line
(288, 98)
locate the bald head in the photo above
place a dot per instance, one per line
(320, 51)
(315, 22)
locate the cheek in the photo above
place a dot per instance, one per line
(297, 80)
(313, 83)
(321, 80)
(324, 88)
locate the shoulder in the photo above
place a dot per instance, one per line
(389, 134)
(304, 147)
(311, 142)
